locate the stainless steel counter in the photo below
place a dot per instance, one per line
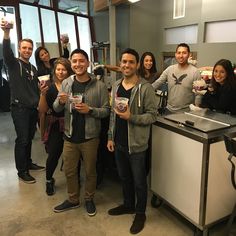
(190, 170)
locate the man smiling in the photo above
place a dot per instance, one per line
(128, 136)
(24, 102)
(82, 129)
(180, 79)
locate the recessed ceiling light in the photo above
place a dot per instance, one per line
(133, 1)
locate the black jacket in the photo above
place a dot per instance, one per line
(222, 100)
(22, 77)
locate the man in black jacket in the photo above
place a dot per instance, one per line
(24, 102)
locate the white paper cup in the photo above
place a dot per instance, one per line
(76, 99)
(44, 79)
(121, 104)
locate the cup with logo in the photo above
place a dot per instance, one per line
(121, 104)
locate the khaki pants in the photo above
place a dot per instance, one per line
(72, 153)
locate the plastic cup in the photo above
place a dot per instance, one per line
(76, 99)
(121, 104)
(44, 80)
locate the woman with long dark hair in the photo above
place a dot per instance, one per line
(44, 62)
(147, 68)
(221, 94)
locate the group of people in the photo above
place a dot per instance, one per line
(180, 77)
(219, 95)
(74, 127)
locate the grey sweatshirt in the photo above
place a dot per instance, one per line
(143, 108)
(180, 85)
(95, 96)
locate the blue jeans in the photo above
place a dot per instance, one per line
(132, 172)
(25, 120)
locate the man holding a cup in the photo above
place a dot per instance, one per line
(85, 100)
(134, 109)
(24, 101)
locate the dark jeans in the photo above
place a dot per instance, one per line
(132, 171)
(24, 120)
(54, 149)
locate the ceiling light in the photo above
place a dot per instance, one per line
(133, 1)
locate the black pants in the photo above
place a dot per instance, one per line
(54, 149)
(24, 120)
(132, 172)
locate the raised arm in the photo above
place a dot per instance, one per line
(8, 54)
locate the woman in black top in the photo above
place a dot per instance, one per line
(221, 94)
(52, 135)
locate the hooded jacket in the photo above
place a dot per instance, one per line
(95, 96)
(143, 109)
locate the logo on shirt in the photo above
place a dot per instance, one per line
(179, 80)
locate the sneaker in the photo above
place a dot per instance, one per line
(90, 207)
(36, 167)
(27, 178)
(50, 189)
(121, 210)
(66, 205)
(138, 223)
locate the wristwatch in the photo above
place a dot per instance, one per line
(90, 110)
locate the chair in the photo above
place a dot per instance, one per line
(230, 145)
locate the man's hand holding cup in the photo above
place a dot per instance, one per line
(63, 97)
(6, 25)
(122, 108)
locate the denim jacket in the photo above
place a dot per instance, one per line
(143, 108)
(95, 96)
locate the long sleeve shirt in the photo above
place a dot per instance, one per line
(180, 85)
(22, 78)
(223, 100)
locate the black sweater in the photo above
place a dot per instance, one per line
(222, 100)
(23, 79)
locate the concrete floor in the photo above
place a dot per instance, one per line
(26, 210)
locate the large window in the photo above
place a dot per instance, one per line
(9, 14)
(67, 26)
(84, 34)
(50, 32)
(30, 25)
